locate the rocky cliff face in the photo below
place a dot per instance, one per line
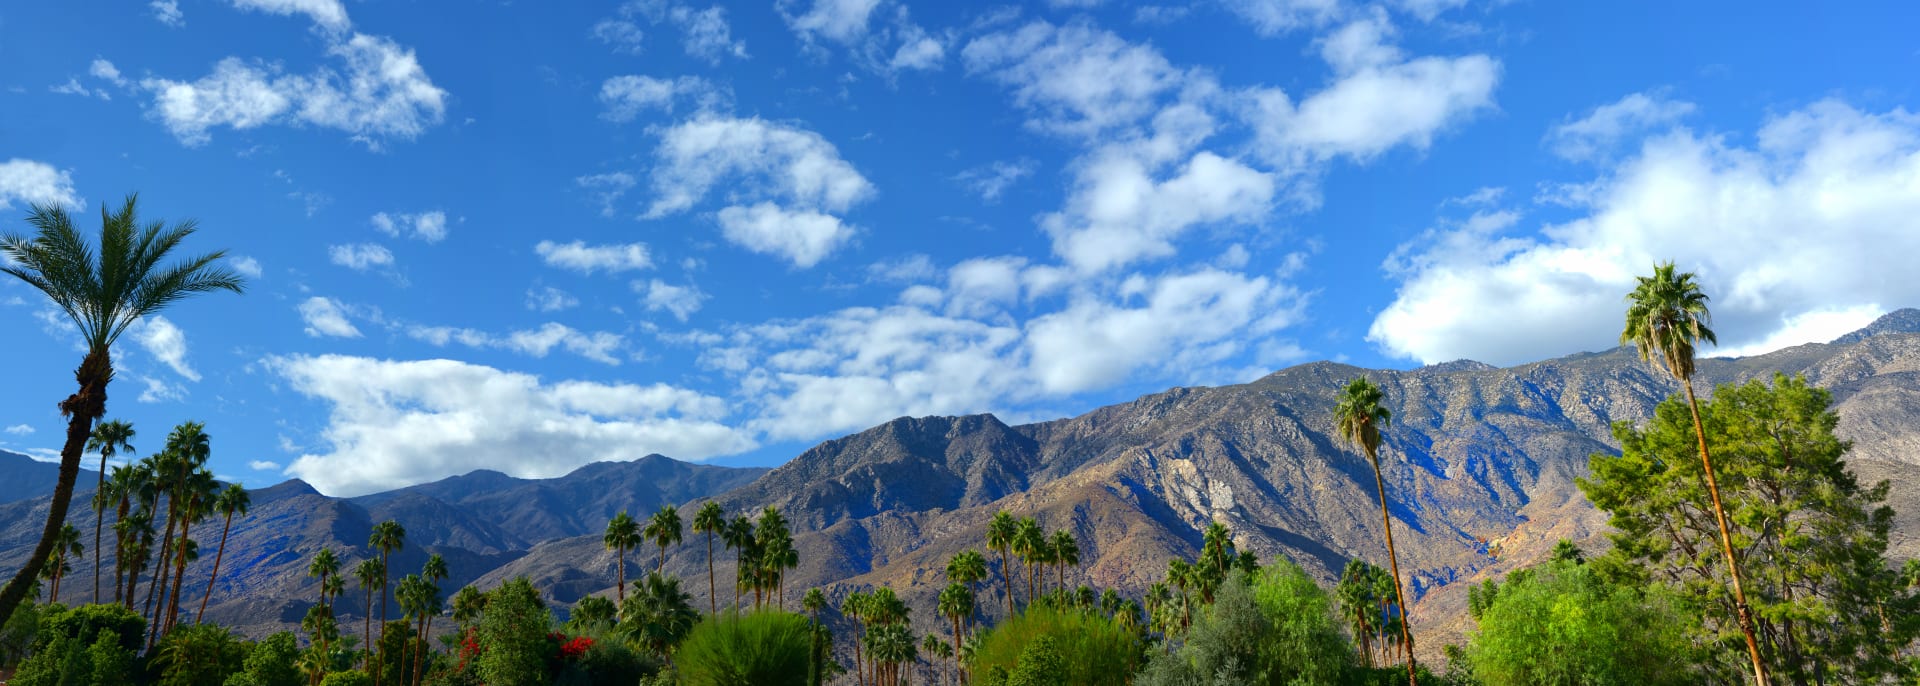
(1480, 465)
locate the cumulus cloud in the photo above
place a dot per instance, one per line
(704, 33)
(1274, 17)
(19, 430)
(550, 299)
(245, 266)
(262, 465)
(587, 259)
(599, 346)
(803, 237)
(168, 12)
(32, 182)
(327, 14)
(622, 35)
(426, 226)
(165, 342)
(379, 93)
(158, 391)
(680, 301)
(1077, 79)
(625, 97)
(395, 423)
(360, 256)
(1793, 238)
(1124, 209)
(1598, 133)
(842, 21)
(326, 317)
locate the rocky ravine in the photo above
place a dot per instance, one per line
(1480, 464)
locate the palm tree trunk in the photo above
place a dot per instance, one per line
(662, 567)
(1726, 543)
(99, 517)
(159, 579)
(53, 594)
(620, 591)
(1393, 558)
(216, 568)
(713, 593)
(420, 653)
(387, 578)
(179, 579)
(1006, 582)
(368, 637)
(952, 676)
(81, 409)
(119, 547)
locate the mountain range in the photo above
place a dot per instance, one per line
(1480, 463)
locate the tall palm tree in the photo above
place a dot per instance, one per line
(659, 614)
(386, 537)
(104, 289)
(1359, 417)
(468, 603)
(201, 490)
(1029, 544)
(739, 534)
(663, 528)
(622, 535)
(933, 647)
(1000, 533)
(64, 549)
(123, 486)
(710, 520)
(429, 603)
(370, 574)
(1066, 553)
(234, 500)
(108, 439)
(1666, 317)
(777, 554)
(854, 607)
(967, 567)
(956, 604)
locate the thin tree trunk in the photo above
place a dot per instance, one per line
(159, 580)
(99, 517)
(1393, 558)
(713, 592)
(179, 579)
(955, 674)
(216, 568)
(1726, 543)
(1006, 582)
(620, 591)
(369, 628)
(81, 409)
(53, 594)
(119, 547)
(379, 655)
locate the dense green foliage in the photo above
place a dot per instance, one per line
(1276, 628)
(1811, 538)
(270, 663)
(84, 622)
(69, 661)
(513, 636)
(198, 655)
(768, 647)
(1561, 624)
(1095, 648)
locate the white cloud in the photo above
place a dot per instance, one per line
(104, 70)
(587, 259)
(681, 301)
(382, 94)
(1428, 10)
(360, 256)
(33, 182)
(1793, 238)
(991, 180)
(1274, 17)
(245, 266)
(19, 429)
(168, 12)
(908, 269)
(918, 50)
(1596, 135)
(1813, 326)
(607, 188)
(599, 346)
(550, 299)
(841, 21)
(706, 35)
(625, 97)
(803, 237)
(325, 317)
(1079, 80)
(1123, 209)
(427, 226)
(768, 159)
(328, 14)
(263, 465)
(73, 87)
(622, 35)
(395, 423)
(165, 342)
(158, 391)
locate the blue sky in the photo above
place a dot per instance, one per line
(527, 236)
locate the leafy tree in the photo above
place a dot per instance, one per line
(1666, 317)
(17, 633)
(67, 661)
(270, 663)
(468, 603)
(1828, 605)
(233, 500)
(1040, 665)
(347, 678)
(83, 623)
(1000, 534)
(108, 439)
(1277, 628)
(103, 289)
(513, 631)
(198, 655)
(658, 615)
(1096, 649)
(663, 528)
(1561, 624)
(1359, 418)
(732, 649)
(710, 520)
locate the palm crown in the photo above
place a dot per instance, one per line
(1666, 315)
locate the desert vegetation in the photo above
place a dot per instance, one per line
(1743, 548)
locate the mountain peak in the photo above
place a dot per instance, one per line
(1903, 320)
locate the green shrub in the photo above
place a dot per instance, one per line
(1562, 624)
(1040, 665)
(761, 648)
(1278, 628)
(197, 655)
(84, 622)
(270, 663)
(16, 636)
(348, 678)
(513, 636)
(66, 660)
(1094, 648)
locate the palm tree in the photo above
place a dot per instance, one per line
(967, 567)
(854, 607)
(1066, 553)
(1359, 418)
(711, 519)
(386, 537)
(739, 534)
(623, 534)
(1666, 317)
(659, 614)
(201, 492)
(777, 553)
(663, 528)
(108, 439)
(1355, 596)
(1029, 544)
(956, 603)
(468, 603)
(103, 292)
(64, 548)
(370, 574)
(1000, 533)
(935, 648)
(127, 530)
(233, 500)
(429, 603)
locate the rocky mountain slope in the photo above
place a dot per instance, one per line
(1480, 463)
